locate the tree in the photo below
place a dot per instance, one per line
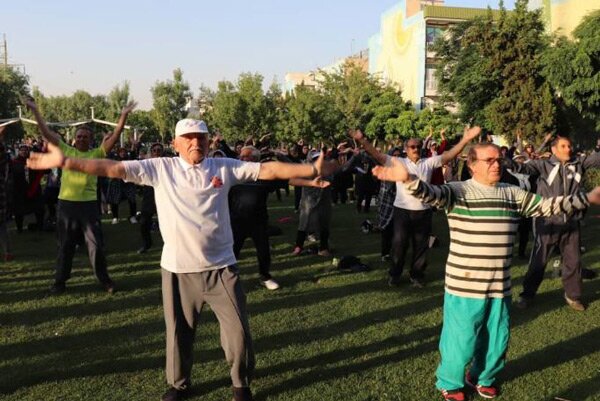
(490, 66)
(13, 85)
(143, 121)
(117, 98)
(169, 100)
(572, 67)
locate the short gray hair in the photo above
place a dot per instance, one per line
(255, 152)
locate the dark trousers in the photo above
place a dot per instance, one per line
(387, 235)
(114, 208)
(547, 236)
(146, 227)
(366, 197)
(411, 226)
(297, 197)
(339, 194)
(525, 226)
(243, 229)
(74, 218)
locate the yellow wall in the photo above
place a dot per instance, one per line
(565, 15)
(397, 53)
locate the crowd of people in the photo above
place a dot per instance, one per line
(210, 196)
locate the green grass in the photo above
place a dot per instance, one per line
(322, 336)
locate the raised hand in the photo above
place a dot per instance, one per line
(2, 128)
(471, 133)
(396, 172)
(44, 161)
(443, 134)
(29, 102)
(325, 168)
(356, 134)
(129, 107)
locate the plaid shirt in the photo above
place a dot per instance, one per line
(387, 194)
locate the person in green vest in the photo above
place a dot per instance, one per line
(77, 210)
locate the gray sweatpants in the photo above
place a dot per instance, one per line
(184, 295)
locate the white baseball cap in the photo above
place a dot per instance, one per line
(190, 126)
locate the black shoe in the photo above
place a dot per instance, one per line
(109, 287)
(173, 394)
(57, 288)
(588, 274)
(523, 302)
(242, 394)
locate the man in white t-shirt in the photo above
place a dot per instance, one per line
(198, 263)
(412, 218)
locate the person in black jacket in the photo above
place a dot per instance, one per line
(562, 174)
(148, 206)
(249, 218)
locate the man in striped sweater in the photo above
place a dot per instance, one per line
(483, 216)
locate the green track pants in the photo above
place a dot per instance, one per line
(474, 331)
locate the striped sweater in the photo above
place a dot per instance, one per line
(483, 222)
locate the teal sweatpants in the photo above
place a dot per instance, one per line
(474, 331)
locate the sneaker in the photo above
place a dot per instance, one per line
(324, 252)
(114, 221)
(109, 287)
(297, 251)
(133, 220)
(453, 395)
(523, 303)
(311, 238)
(575, 304)
(57, 288)
(270, 284)
(417, 282)
(173, 394)
(588, 274)
(394, 281)
(385, 258)
(483, 391)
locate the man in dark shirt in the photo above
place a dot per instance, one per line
(249, 218)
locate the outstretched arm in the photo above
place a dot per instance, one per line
(48, 135)
(393, 171)
(56, 158)
(359, 137)
(285, 171)
(468, 136)
(110, 140)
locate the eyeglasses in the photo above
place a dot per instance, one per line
(491, 160)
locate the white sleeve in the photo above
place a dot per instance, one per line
(241, 171)
(434, 161)
(142, 172)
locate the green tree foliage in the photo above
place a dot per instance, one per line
(572, 66)
(143, 122)
(169, 100)
(491, 68)
(13, 85)
(117, 98)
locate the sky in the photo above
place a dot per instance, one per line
(66, 45)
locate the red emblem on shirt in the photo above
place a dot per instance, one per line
(216, 182)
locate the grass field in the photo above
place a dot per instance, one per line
(322, 336)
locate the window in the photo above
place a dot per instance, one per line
(433, 32)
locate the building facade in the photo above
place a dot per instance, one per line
(562, 16)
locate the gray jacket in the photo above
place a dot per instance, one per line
(557, 179)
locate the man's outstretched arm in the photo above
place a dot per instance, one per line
(285, 171)
(51, 136)
(111, 139)
(468, 136)
(56, 158)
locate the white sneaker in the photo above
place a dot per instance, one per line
(270, 284)
(115, 221)
(133, 220)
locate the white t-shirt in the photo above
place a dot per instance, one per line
(423, 169)
(193, 208)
